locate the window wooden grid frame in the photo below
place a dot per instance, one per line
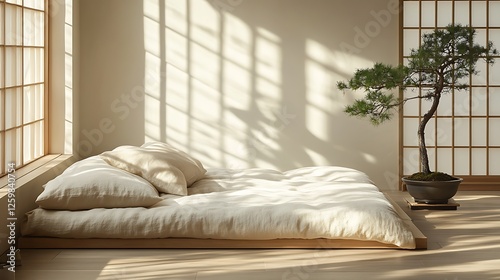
(488, 178)
(29, 84)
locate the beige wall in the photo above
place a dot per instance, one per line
(237, 83)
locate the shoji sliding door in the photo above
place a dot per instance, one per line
(23, 87)
(463, 138)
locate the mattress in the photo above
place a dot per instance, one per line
(251, 204)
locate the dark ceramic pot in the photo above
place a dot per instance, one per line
(432, 192)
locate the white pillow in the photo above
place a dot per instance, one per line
(168, 169)
(92, 183)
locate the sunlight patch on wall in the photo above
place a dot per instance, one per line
(268, 99)
(204, 71)
(320, 91)
(152, 70)
(151, 125)
(68, 77)
(205, 25)
(176, 49)
(316, 157)
(177, 105)
(151, 9)
(151, 31)
(152, 97)
(268, 57)
(205, 65)
(319, 94)
(268, 72)
(340, 63)
(323, 69)
(238, 40)
(237, 53)
(237, 86)
(213, 85)
(206, 120)
(176, 15)
(153, 75)
(369, 158)
(236, 89)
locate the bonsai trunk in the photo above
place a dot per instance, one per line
(424, 158)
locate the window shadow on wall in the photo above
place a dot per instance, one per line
(252, 83)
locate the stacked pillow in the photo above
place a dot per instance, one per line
(128, 176)
(168, 169)
(92, 183)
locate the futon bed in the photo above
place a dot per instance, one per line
(156, 196)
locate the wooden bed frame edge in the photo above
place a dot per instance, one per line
(193, 243)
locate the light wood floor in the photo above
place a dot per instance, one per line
(463, 244)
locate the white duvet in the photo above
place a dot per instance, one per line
(255, 204)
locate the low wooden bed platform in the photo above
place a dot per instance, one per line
(191, 243)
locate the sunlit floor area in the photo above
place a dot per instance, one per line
(463, 244)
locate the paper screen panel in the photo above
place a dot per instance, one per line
(13, 107)
(13, 66)
(33, 141)
(444, 13)
(464, 136)
(13, 144)
(479, 132)
(33, 28)
(33, 65)
(494, 158)
(461, 161)
(428, 10)
(445, 160)
(479, 13)
(494, 132)
(35, 4)
(494, 18)
(461, 12)
(33, 103)
(411, 14)
(478, 161)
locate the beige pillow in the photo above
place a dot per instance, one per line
(168, 169)
(92, 183)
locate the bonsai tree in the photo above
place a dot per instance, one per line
(445, 57)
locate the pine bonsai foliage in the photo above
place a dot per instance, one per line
(445, 57)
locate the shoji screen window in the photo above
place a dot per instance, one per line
(463, 138)
(22, 81)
